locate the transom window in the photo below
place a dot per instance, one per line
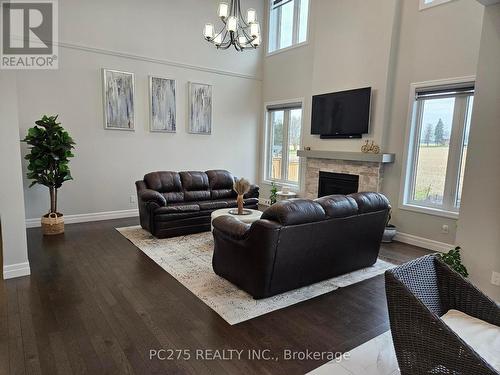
(438, 147)
(424, 4)
(287, 23)
(284, 124)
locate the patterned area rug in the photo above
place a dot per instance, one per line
(189, 260)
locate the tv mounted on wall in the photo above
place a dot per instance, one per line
(343, 114)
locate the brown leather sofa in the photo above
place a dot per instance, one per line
(300, 242)
(179, 203)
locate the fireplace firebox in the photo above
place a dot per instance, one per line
(337, 183)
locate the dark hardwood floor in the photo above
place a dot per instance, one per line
(95, 304)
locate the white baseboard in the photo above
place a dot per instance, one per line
(16, 270)
(423, 242)
(83, 218)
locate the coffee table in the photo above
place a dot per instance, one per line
(248, 219)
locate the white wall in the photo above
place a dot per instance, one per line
(287, 76)
(107, 162)
(14, 247)
(479, 223)
(352, 50)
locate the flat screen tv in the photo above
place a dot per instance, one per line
(343, 114)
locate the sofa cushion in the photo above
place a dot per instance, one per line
(212, 205)
(370, 202)
(163, 182)
(195, 186)
(174, 196)
(173, 217)
(220, 179)
(337, 206)
(179, 208)
(481, 336)
(221, 184)
(222, 193)
(295, 211)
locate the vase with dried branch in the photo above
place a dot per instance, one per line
(241, 186)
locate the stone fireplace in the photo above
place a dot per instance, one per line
(367, 167)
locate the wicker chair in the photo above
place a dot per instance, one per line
(418, 294)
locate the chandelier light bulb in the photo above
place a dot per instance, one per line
(232, 23)
(255, 29)
(242, 41)
(251, 15)
(218, 39)
(209, 31)
(223, 10)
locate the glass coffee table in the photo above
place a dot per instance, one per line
(250, 217)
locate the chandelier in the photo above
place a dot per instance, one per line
(236, 31)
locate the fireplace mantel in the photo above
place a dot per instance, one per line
(344, 155)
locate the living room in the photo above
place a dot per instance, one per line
(222, 210)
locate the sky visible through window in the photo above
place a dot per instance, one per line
(436, 111)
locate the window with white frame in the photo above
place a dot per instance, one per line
(284, 125)
(287, 23)
(439, 136)
(424, 4)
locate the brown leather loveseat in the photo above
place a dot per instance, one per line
(300, 242)
(179, 203)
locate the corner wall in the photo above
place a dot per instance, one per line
(479, 223)
(14, 246)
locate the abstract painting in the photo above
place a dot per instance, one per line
(118, 99)
(162, 104)
(200, 108)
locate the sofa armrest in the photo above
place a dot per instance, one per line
(148, 195)
(231, 227)
(253, 192)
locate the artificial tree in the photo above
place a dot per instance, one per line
(50, 151)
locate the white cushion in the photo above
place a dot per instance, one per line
(483, 337)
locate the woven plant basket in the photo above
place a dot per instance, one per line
(52, 224)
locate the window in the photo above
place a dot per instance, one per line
(438, 147)
(287, 23)
(284, 125)
(424, 4)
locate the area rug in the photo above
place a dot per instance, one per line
(189, 260)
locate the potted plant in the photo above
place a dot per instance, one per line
(274, 194)
(49, 152)
(453, 260)
(390, 230)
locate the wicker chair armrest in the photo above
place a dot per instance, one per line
(458, 293)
